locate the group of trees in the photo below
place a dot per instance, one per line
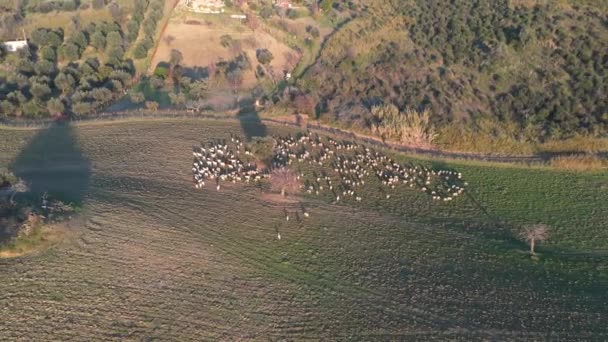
(152, 17)
(40, 86)
(543, 67)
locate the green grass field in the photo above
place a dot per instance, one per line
(150, 257)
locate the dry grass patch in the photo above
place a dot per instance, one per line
(199, 41)
(579, 163)
(63, 19)
(40, 240)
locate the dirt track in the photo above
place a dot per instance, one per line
(345, 134)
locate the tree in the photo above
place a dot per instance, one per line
(284, 180)
(98, 41)
(113, 39)
(198, 89)
(32, 109)
(38, 37)
(161, 72)
(235, 79)
(40, 91)
(44, 67)
(137, 97)
(533, 234)
(3, 52)
(264, 56)
(176, 57)
(55, 106)
(80, 40)
(327, 5)
(178, 100)
(132, 30)
(7, 107)
(54, 39)
(70, 52)
(140, 51)
(115, 55)
(81, 108)
(48, 53)
(64, 82)
(266, 12)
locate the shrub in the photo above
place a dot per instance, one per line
(226, 40)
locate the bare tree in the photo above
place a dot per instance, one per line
(535, 233)
(284, 180)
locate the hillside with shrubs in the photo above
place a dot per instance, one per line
(537, 70)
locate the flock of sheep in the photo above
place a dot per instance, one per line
(218, 162)
(353, 163)
(349, 163)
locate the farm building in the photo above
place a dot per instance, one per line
(15, 45)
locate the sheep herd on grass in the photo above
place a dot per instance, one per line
(219, 162)
(339, 167)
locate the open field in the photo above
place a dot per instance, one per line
(153, 258)
(197, 37)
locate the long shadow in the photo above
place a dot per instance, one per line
(53, 163)
(251, 124)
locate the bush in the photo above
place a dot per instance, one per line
(161, 72)
(266, 12)
(264, 56)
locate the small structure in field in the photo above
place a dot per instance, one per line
(15, 45)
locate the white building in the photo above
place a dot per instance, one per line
(12, 46)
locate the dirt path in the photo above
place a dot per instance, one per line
(288, 121)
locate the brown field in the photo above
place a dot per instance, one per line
(198, 39)
(152, 258)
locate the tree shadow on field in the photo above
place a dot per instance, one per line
(53, 163)
(251, 124)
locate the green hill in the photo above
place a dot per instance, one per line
(542, 68)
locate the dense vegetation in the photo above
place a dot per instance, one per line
(79, 73)
(56, 77)
(543, 67)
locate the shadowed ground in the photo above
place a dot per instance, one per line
(52, 162)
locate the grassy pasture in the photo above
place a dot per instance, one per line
(155, 258)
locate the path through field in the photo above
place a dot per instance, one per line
(152, 257)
